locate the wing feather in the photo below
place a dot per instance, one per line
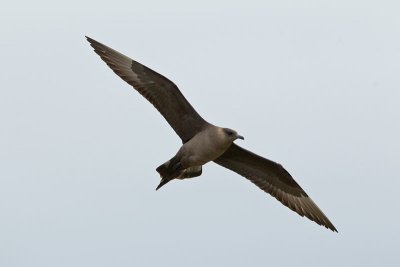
(157, 89)
(275, 180)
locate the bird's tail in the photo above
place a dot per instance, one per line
(172, 169)
(169, 171)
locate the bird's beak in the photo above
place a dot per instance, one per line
(240, 137)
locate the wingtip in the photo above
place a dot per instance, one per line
(90, 40)
(326, 223)
(330, 227)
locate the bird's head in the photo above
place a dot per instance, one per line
(232, 135)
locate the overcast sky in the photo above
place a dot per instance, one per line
(314, 86)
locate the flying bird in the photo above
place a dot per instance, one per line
(204, 142)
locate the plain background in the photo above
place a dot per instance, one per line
(313, 85)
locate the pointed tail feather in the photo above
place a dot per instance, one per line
(163, 182)
(169, 171)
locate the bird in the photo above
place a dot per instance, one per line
(203, 142)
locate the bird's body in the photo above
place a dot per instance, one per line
(204, 142)
(207, 145)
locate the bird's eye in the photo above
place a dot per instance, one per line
(229, 132)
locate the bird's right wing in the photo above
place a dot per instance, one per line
(157, 89)
(273, 179)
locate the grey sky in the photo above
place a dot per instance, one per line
(314, 86)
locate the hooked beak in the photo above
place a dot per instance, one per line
(240, 137)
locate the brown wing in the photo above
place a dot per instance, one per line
(157, 89)
(273, 179)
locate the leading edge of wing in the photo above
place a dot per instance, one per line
(157, 89)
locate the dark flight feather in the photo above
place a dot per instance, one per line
(158, 90)
(273, 179)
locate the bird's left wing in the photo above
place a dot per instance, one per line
(273, 179)
(157, 89)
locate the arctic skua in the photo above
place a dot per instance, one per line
(204, 142)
